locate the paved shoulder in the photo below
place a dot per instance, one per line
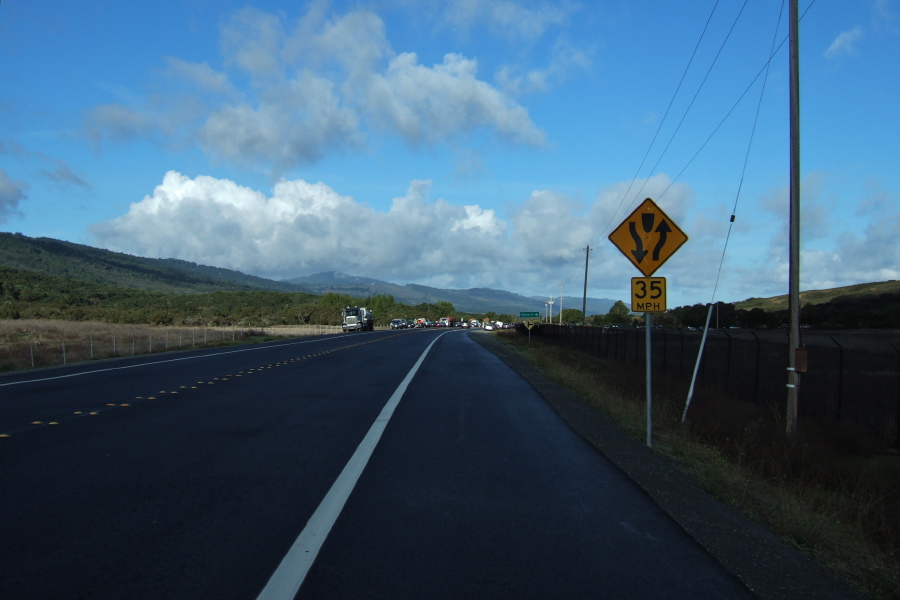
(768, 565)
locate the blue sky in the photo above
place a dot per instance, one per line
(456, 143)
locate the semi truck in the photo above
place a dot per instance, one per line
(357, 318)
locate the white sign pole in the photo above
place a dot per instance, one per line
(648, 326)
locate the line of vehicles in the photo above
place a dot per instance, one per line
(422, 323)
(448, 322)
(360, 318)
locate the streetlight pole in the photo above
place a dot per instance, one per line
(550, 319)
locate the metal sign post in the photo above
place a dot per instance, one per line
(648, 238)
(529, 324)
(647, 325)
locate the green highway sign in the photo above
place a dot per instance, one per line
(529, 315)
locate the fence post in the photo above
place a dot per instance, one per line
(727, 363)
(757, 369)
(840, 399)
(92, 348)
(897, 412)
(637, 346)
(664, 344)
(64, 352)
(114, 346)
(31, 351)
(150, 347)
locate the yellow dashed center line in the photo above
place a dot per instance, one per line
(225, 378)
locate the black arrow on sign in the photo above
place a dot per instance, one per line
(638, 253)
(663, 231)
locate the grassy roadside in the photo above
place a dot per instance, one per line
(27, 343)
(825, 491)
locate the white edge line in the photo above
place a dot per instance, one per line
(288, 577)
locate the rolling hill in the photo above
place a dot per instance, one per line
(813, 297)
(47, 256)
(56, 258)
(473, 300)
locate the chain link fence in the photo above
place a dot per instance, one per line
(72, 348)
(852, 377)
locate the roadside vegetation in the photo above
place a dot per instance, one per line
(26, 343)
(25, 295)
(827, 490)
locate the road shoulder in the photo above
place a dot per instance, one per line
(768, 566)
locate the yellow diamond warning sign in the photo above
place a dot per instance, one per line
(648, 237)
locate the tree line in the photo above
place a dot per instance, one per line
(858, 311)
(28, 295)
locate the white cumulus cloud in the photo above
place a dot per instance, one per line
(303, 227)
(286, 93)
(11, 194)
(845, 43)
(299, 228)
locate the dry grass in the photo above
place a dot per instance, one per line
(39, 343)
(836, 499)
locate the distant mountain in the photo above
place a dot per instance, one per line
(332, 278)
(473, 300)
(593, 306)
(47, 256)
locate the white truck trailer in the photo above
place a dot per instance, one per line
(357, 319)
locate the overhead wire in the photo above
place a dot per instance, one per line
(764, 70)
(579, 271)
(663, 120)
(737, 196)
(694, 99)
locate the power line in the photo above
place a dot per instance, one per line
(661, 123)
(697, 93)
(763, 70)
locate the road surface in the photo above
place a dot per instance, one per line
(410, 464)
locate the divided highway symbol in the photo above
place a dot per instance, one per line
(648, 237)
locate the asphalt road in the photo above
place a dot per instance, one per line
(199, 472)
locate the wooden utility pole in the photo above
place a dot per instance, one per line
(794, 281)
